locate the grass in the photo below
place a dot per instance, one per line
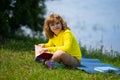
(17, 63)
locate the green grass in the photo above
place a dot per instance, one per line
(17, 63)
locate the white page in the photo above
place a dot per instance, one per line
(37, 50)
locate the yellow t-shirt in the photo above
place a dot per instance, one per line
(65, 41)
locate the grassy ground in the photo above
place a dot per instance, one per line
(17, 63)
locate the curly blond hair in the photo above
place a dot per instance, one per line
(50, 20)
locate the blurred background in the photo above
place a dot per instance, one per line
(95, 23)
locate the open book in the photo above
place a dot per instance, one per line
(42, 55)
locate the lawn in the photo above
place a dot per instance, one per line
(17, 63)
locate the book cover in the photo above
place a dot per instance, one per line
(45, 55)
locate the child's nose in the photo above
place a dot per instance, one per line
(55, 25)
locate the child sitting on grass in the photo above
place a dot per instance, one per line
(62, 43)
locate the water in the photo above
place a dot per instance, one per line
(93, 22)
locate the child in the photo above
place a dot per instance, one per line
(62, 43)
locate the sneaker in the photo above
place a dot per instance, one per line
(50, 64)
(59, 65)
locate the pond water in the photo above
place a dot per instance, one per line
(93, 22)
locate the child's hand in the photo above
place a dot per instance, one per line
(43, 50)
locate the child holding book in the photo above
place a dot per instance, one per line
(61, 42)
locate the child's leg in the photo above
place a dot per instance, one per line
(65, 58)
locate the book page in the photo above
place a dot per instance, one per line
(37, 50)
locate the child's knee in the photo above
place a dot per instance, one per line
(59, 53)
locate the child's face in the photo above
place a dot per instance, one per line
(56, 27)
